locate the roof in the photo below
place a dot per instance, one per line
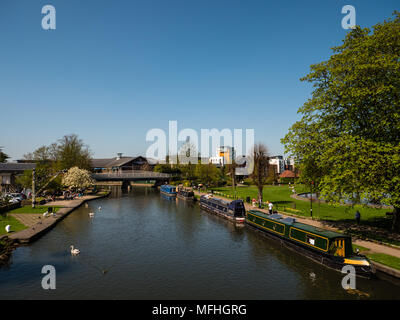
(16, 167)
(119, 161)
(287, 174)
(306, 227)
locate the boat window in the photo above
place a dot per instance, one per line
(310, 240)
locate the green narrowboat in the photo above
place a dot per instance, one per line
(329, 248)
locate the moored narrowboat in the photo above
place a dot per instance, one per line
(185, 194)
(329, 248)
(231, 210)
(168, 190)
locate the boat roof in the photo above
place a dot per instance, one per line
(306, 227)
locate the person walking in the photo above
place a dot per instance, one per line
(270, 207)
(358, 217)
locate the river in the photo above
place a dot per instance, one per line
(141, 245)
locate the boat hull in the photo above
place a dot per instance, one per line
(229, 217)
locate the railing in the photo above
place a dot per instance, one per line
(134, 174)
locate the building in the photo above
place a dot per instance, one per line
(120, 164)
(224, 156)
(278, 162)
(8, 173)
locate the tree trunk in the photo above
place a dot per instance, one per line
(260, 193)
(396, 219)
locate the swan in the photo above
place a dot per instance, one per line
(100, 208)
(74, 251)
(91, 214)
(8, 228)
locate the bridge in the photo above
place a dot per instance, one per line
(133, 175)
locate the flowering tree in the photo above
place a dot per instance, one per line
(77, 178)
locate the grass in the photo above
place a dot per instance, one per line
(14, 223)
(385, 259)
(37, 209)
(280, 197)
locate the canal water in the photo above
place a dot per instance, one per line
(141, 245)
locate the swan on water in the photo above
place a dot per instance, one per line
(74, 251)
(91, 214)
(8, 228)
(100, 208)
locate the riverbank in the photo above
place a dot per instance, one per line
(35, 230)
(369, 246)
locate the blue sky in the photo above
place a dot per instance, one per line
(112, 70)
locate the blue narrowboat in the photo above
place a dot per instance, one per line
(231, 210)
(168, 190)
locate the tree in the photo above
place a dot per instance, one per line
(71, 152)
(77, 178)
(260, 173)
(3, 156)
(207, 173)
(347, 140)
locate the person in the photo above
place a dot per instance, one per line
(358, 217)
(270, 206)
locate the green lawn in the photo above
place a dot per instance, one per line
(14, 223)
(37, 209)
(390, 261)
(280, 197)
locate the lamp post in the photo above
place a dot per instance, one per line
(312, 183)
(33, 188)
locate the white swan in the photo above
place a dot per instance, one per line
(91, 214)
(100, 208)
(74, 251)
(8, 228)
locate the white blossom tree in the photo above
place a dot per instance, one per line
(77, 178)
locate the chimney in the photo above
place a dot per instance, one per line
(119, 155)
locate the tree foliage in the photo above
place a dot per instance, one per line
(3, 156)
(77, 178)
(347, 140)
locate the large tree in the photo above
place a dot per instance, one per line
(348, 138)
(71, 152)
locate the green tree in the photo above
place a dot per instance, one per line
(72, 152)
(3, 156)
(347, 140)
(207, 174)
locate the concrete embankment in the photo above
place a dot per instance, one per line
(32, 233)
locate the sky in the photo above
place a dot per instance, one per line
(113, 70)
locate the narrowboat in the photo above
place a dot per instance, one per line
(329, 248)
(185, 194)
(233, 210)
(168, 190)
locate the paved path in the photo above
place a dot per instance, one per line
(35, 230)
(372, 246)
(28, 219)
